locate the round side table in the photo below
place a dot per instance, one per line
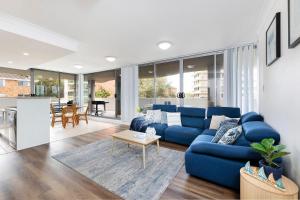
(252, 188)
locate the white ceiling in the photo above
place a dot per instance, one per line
(13, 46)
(131, 29)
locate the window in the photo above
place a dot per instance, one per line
(201, 79)
(61, 87)
(146, 86)
(2, 83)
(167, 82)
(14, 82)
(198, 81)
(67, 87)
(24, 83)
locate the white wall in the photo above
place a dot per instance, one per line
(280, 91)
(33, 121)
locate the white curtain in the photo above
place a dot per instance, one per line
(129, 92)
(80, 90)
(241, 78)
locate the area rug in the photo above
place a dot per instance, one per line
(121, 171)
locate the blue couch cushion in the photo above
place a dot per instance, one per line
(192, 117)
(207, 123)
(211, 132)
(242, 141)
(166, 108)
(227, 111)
(257, 130)
(202, 138)
(160, 129)
(181, 135)
(251, 116)
(224, 151)
(222, 171)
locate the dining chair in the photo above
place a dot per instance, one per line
(55, 116)
(69, 112)
(82, 116)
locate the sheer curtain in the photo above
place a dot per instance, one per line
(129, 92)
(241, 78)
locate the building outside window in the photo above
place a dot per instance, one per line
(14, 83)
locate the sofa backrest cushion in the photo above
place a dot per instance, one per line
(227, 111)
(165, 108)
(192, 117)
(255, 131)
(250, 116)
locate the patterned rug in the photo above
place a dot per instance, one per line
(121, 172)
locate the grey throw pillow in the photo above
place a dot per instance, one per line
(224, 127)
(231, 135)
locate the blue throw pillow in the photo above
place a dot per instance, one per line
(231, 135)
(224, 127)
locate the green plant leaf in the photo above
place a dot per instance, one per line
(268, 143)
(280, 147)
(258, 148)
(279, 154)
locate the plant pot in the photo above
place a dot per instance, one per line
(277, 171)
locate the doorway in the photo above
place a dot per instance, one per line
(103, 93)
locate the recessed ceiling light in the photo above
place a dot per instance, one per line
(10, 62)
(78, 66)
(164, 45)
(190, 66)
(26, 54)
(110, 58)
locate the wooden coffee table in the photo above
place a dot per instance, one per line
(128, 137)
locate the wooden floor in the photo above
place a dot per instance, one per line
(33, 174)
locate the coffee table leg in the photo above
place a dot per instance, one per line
(144, 160)
(157, 144)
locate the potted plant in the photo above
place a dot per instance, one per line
(270, 153)
(139, 111)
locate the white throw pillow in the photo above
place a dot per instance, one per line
(164, 117)
(228, 118)
(174, 118)
(216, 120)
(153, 116)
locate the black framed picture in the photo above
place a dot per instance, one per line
(273, 49)
(294, 22)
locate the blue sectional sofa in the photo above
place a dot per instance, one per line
(214, 162)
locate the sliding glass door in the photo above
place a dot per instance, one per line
(167, 83)
(195, 81)
(103, 92)
(198, 81)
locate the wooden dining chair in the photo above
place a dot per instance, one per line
(69, 113)
(82, 116)
(55, 117)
